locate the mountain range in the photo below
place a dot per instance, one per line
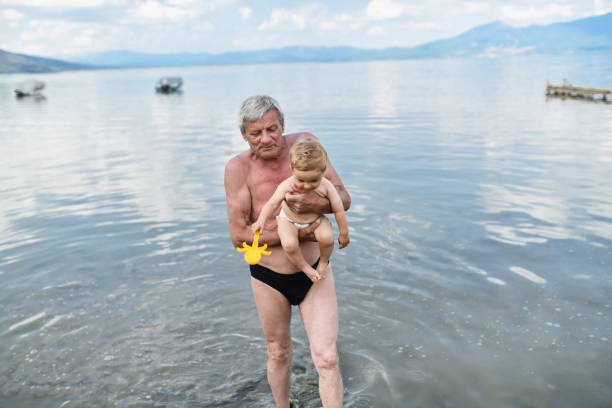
(13, 63)
(489, 40)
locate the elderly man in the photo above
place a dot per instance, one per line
(250, 179)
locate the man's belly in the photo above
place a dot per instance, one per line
(278, 261)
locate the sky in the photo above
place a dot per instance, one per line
(64, 28)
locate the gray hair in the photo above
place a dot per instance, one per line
(254, 107)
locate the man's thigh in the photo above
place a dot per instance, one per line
(274, 312)
(320, 313)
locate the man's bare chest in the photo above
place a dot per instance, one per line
(263, 184)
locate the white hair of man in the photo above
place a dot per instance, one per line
(254, 107)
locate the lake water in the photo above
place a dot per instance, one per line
(479, 270)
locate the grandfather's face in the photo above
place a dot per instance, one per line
(264, 136)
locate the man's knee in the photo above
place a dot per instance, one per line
(279, 352)
(326, 359)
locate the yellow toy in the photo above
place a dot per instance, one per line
(253, 253)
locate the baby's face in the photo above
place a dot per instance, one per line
(306, 180)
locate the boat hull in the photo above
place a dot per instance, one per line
(168, 85)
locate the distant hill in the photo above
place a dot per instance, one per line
(490, 40)
(579, 36)
(13, 63)
(287, 54)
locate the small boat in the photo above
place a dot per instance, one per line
(168, 84)
(31, 87)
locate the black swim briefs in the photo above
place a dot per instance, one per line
(293, 286)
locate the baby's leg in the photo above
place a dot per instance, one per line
(325, 237)
(288, 235)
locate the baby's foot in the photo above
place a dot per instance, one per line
(312, 274)
(322, 268)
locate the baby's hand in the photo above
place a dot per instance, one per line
(257, 226)
(313, 275)
(343, 240)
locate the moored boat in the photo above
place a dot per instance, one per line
(30, 87)
(168, 84)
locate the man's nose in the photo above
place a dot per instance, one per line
(266, 136)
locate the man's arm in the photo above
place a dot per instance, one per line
(238, 199)
(271, 207)
(339, 214)
(239, 209)
(334, 178)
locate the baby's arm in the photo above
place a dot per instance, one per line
(271, 206)
(338, 210)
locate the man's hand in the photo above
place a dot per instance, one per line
(307, 234)
(309, 202)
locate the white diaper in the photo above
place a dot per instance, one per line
(297, 224)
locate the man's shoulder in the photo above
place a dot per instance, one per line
(238, 163)
(287, 183)
(240, 159)
(293, 137)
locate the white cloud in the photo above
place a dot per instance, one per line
(474, 7)
(38, 34)
(11, 14)
(155, 25)
(245, 12)
(152, 10)
(544, 13)
(67, 39)
(183, 3)
(389, 9)
(340, 22)
(376, 30)
(56, 4)
(602, 6)
(82, 41)
(47, 29)
(284, 18)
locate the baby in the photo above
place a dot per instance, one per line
(308, 163)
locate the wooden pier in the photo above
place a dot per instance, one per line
(569, 90)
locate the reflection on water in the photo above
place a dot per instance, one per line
(579, 98)
(478, 272)
(37, 98)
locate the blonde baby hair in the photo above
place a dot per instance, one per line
(308, 154)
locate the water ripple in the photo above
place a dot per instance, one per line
(480, 224)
